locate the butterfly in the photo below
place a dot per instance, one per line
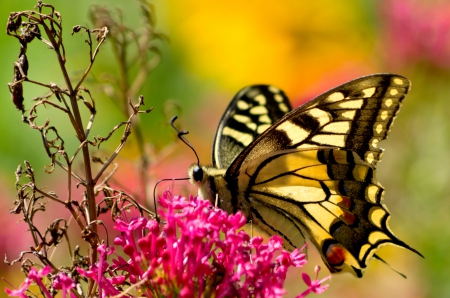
(309, 173)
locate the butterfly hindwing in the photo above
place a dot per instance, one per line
(330, 195)
(251, 112)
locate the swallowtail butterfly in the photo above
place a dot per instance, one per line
(309, 172)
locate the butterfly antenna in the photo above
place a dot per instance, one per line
(154, 191)
(183, 138)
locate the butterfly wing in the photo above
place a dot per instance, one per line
(355, 116)
(313, 172)
(330, 195)
(251, 112)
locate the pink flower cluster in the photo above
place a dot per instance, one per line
(198, 251)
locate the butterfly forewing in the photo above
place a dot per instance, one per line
(356, 115)
(253, 110)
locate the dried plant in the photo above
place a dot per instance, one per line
(44, 24)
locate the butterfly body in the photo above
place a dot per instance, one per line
(308, 172)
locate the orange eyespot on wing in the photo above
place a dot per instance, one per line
(335, 255)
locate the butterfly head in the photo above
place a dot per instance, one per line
(211, 185)
(198, 176)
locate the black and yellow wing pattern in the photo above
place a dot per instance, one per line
(252, 111)
(309, 172)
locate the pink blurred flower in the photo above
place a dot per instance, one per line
(416, 32)
(33, 276)
(65, 284)
(315, 286)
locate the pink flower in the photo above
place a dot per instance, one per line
(416, 32)
(64, 283)
(33, 276)
(106, 286)
(20, 292)
(315, 285)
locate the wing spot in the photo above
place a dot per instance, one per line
(384, 115)
(376, 216)
(294, 132)
(332, 140)
(397, 81)
(379, 128)
(252, 126)
(283, 107)
(258, 110)
(242, 118)
(349, 114)
(377, 236)
(242, 105)
(393, 91)
(369, 92)
(264, 119)
(278, 97)
(260, 99)
(339, 127)
(374, 142)
(388, 102)
(370, 157)
(243, 138)
(350, 104)
(335, 255)
(274, 89)
(372, 193)
(262, 128)
(333, 97)
(320, 116)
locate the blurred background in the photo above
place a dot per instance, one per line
(214, 49)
